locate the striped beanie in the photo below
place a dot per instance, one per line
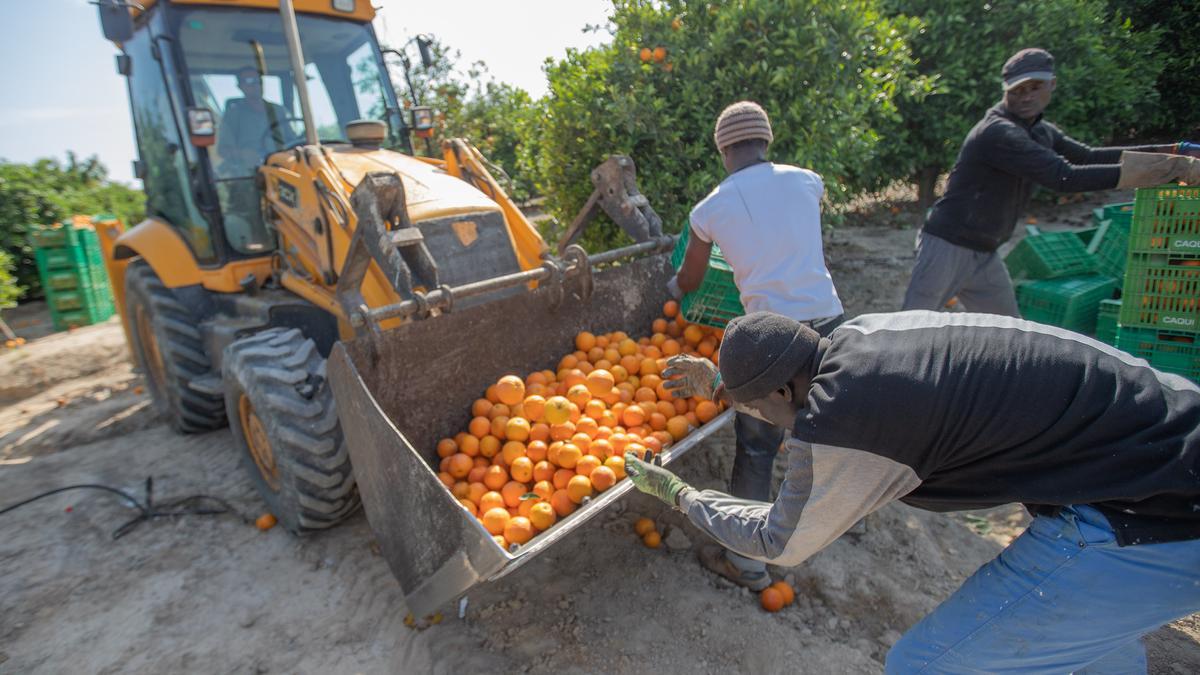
(742, 121)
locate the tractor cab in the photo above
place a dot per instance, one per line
(213, 96)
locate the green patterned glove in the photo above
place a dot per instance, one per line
(650, 477)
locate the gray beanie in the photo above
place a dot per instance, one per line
(742, 121)
(763, 351)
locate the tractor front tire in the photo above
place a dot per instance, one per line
(282, 414)
(169, 349)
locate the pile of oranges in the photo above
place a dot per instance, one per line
(538, 447)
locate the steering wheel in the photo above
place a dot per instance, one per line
(279, 124)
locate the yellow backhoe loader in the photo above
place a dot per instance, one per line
(338, 301)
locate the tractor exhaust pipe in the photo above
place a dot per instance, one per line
(292, 33)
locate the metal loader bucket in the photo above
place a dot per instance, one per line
(399, 392)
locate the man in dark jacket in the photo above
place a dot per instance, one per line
(954, 411)
(1009, 152)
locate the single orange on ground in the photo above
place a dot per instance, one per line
(652, 539)
(578, 488)
(642, 526)
(789, 595)
(771, 599)
(510, 390)
(602, 478)
(266, 521)
(542, 515)
(495, 520)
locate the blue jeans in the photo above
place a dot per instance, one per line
(1063, 597)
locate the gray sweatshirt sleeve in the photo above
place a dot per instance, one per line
(825, 491)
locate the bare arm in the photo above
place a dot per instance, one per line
(695, 263)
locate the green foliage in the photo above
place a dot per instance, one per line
(9, 289)
(495, 117)
(1172, 22)
(47, 191)
(827, 73)
(1105, 72)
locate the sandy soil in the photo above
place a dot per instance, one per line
(213, 594)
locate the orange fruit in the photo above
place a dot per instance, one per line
(601, 448)
(511, 492)
(573, 377)
(618, 442)
(569, 455)
(561, 478)
(495, 520)
(659, 54)
(579, 395)
(602, 478)
(521, 469)
(627, 347)
(576, 412)
(633, 416)
(542, 515)
(670, 309)
(558, 410)
(446, 478)
(479, 426)
(460, 465)
(654, 443)
(461, 489)
(499, 410)
(481, 407)
(705, 411)
(644, 395)
(562, 432)
(536, 451)
(498, 426)
(637, 449)
(585, 341)
(469, 506)
(645, 54)
(543, 489)
(562, 504)
(540, 432)
(670, 348)
(600, 381)
(490, 500)
(468, 445)
(582, 441)
(495, 477)
(517, 429)
(476, 474)
(543, 470)
(489, 445)
(771, 599)
(652, 539)
(789, 595)
(265, 522)
(533, 407)
(446, 447)
(706, 347)
(616, 464)
(511, 451)
(510, 390)
(500, 541)
(665, 408)
(659, 326)
(643, 526)
(587, 464)
(552, 452)
(476, 491)
(490, 394)
(578, 488)
(588, 425)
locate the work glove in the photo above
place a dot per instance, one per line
(688, 376)
(1147, 169)
(1187, 148)
(674, 289)
(650, 477)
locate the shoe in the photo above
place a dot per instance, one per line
(713, 558)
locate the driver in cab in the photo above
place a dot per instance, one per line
(251, 127)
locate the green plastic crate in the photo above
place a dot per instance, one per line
(1107, 321)
(1121, 213)
(1166, 220)
(1070, 303)
(1111, 248)
(1086, 235)
(1049, 255)
(717, 300)
(80, 317)
(1169, 351)
(1162, 291)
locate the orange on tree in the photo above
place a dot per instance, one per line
(645, 54)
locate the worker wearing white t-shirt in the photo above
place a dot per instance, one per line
(766, 218)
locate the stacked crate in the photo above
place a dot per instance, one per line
(71, 268)
(717, 300)
(1056, 280)
(1160, 307)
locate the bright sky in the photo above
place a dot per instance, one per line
(59, 89)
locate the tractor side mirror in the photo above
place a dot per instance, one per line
(115, 21)
(423, 44)
(202, 127)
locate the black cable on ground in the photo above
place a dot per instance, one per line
(147, 510)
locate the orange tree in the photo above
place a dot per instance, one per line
(1106, 74)
(827, 72)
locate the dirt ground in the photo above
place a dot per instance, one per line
(214, 594)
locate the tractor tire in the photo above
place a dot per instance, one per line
(282, 414)
(168, 347)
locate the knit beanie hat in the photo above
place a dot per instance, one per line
(763, 351)
(742, 121)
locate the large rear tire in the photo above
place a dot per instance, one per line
(282, 414)
(169, 348)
